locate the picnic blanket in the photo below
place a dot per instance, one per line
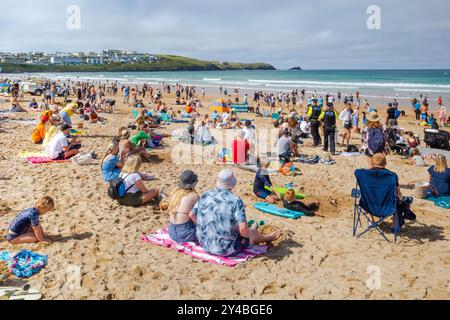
(43, 160)
(441, 202)
(162, 239)
(74, 132)
(25, 263)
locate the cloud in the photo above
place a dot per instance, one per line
(312, 34)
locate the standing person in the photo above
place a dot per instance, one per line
(424, 112)
(391, 119)
(440, 101)
(375, 140)
(314, 113)
(417, 107)
(329, 118)
(67, 113)
(346, 118)
(442, 115)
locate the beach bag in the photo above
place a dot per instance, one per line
(117, 188)
(377, 141)
(288, 169)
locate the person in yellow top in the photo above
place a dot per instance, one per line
(314, 112)
(329, 118)
(67, 113)
(38, 134)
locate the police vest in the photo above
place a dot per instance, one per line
(316, 112)
(329, 119)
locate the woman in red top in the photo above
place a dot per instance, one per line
(240, 149)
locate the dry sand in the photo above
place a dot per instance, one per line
(319, 259)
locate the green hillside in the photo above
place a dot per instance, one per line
(165, 63)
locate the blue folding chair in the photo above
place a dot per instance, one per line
(377, 194)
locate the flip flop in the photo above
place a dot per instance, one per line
(24, 293)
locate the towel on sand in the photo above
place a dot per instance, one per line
(441, 202)
(161, 238)
(27, 154)
(25, 263)
(43, 160)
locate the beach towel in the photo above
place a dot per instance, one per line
(162, 239)
(25, 263)
(351, 154)
(77, 133)
(43, 160)
(308, 160)
(441, 202)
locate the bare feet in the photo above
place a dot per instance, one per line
(273, 236)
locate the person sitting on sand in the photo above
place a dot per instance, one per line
(51, 131)
(263, 187)
(182, 229)
(110, 164)
(140, 120)
(38, 134)
(221, 221)
(416, 158)
(26, 227)
(286, 147)
(413, 142)
(291, 203)
(59, 148)
(67, 112)
(440, 176)
(136, 193)
(33, 104)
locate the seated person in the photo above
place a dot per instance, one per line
(33, 104)
(110, 164)
(286, 147)
(26, 227)
(240, 148)
(221, 221)
(262, 182)
(412, 141)
(182, 229)
(291, 203)
(403, 207)
(51, 131)
(305, 127)
(440, 176)
(59, 147)
(417, 159)
(136, 193)
(203, 135)
(38, 134)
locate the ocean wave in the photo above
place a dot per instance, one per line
(356, 84)
(212, 79)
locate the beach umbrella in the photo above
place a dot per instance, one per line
(219, 105)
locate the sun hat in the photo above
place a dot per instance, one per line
(226, 180)
(373, 117)
(188, 180)
(125, 134)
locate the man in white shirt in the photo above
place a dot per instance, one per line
(305, 127)
(59, 147)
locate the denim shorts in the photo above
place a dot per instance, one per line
(183, 233)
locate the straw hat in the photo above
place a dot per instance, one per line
(125, 134)
(373, 117)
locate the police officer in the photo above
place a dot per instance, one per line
(329, 119)
(314, 113)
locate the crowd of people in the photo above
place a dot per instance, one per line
(216, 219)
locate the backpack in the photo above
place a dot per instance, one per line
(377, 141)
(117, 189)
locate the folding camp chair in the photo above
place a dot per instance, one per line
(377, 193)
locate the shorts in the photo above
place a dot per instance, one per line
(132, 200)
(241, 244)
(263, 194)
(348, 126)
(11, 236)
(183, 233)
(61, 156)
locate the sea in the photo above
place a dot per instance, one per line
(372, 84)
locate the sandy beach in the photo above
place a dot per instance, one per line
(317, 258)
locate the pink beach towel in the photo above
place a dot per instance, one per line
(161, 238)
(43, 160)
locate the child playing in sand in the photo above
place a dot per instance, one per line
(417, 159)
(291, 203)
(262, 181)
(25, 228)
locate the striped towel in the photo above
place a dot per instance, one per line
(161, 238)
(43, 160)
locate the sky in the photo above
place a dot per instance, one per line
(312, 34)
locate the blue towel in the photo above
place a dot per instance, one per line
(441, 202)
(24, 264)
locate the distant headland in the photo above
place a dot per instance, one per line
(114, 60)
